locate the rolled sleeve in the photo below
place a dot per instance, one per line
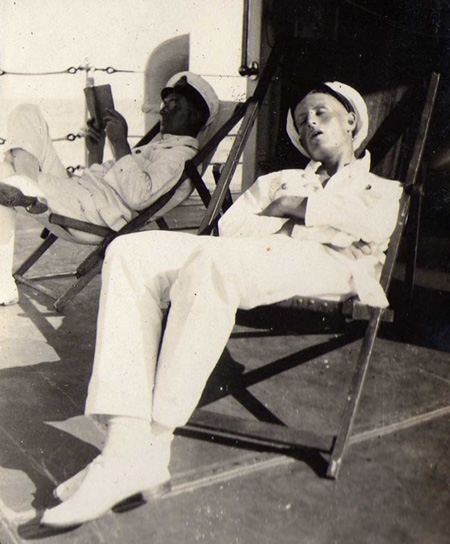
(141, 182)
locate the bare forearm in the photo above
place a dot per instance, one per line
(297, 213)
(117, 134)
(95, 157)
(290, 207)
(121, 149)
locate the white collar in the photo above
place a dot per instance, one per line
(362, 164)
(172, 139)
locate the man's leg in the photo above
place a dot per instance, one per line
(214, 282)
(30, 150)
(137, 276)
(138, 273)
(29, 145)
(8, 289)
(208, 279)
(25, 163)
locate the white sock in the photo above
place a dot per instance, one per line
(134, 460)
(127, 437)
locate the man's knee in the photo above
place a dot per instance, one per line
(208, 268)
(27, 131)
(6, 169)
(127, 248)
(26, 112)
(116, 249)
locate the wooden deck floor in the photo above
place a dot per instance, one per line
(394, 484)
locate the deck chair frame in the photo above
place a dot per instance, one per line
(91, 265)
(272, 433)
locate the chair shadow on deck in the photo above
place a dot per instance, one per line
(429, 329)
(56, 390)
(231, 379)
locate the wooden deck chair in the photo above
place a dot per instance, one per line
(402, 121)
(230, 113)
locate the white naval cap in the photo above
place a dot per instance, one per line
(352, 101)
(197, 90)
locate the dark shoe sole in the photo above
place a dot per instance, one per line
(140, 499)
(10, 197)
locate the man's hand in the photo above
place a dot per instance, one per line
(293, 207)
(357, 250)
(95, 143)
(117, 133)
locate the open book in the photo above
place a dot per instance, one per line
(98, 100)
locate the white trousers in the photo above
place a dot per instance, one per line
(28, 130)
(206, 280)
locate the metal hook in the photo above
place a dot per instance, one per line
(251, 71)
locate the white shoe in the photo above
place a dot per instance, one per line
(9, 294)
(66, 489)
(12, 197)
(107, 483)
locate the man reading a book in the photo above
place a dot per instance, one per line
(111, 193)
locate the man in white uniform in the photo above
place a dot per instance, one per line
(109, 194)
(316, 232)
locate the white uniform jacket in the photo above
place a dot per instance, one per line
(122, 188)
(353, 205)
(108, 194)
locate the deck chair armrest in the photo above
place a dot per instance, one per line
(351, 308)
(354, 310)
(70, 223)
(311, 304)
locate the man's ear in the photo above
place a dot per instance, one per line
(351, 119)
(195, 116)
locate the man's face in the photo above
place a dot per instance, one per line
(324, 125)
(176, 115)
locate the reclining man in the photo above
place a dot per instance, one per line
(108, 194)
(318, 232)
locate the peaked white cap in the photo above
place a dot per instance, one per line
(359, 107)
(200, 85)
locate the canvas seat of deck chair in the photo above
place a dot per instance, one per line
(209, 139)
(400, 109)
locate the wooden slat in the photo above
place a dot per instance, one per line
(242, 136)
(411, 177)
(263, 433)
(70, 294)
(70, 223)
(36, 286)
(56, 275)
(359, 375)
(35, 256)
(354, 394)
